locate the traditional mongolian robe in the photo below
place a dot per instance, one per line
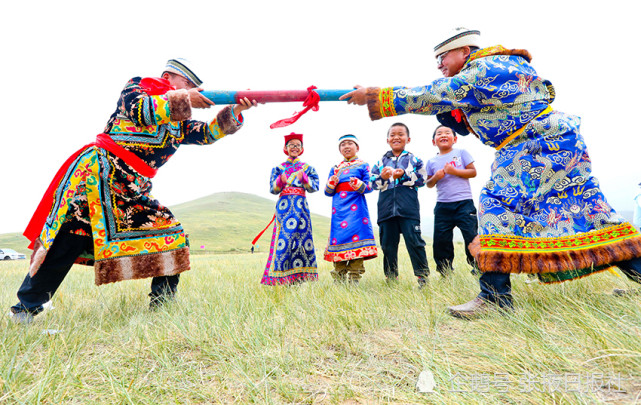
(542, 211)
(103, 191)
(351, 236)
(292, 257)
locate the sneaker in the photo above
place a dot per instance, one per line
(422, 282)
(22, 317)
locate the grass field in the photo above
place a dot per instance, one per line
(227, 339)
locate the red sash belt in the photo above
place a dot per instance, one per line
(103, 141)
(293, 191)
(344, 186)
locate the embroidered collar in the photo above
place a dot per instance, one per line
(497, 50)
(351, 162)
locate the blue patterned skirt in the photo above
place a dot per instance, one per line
(543, 212)
(292, 258)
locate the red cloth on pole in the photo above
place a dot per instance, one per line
(310, 103)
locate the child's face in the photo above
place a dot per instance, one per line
(294, 148)
(348, 149)
(444, 139)
(397, 138)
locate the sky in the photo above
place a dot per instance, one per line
(65, 63)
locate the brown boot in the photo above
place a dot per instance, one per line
(472, 309)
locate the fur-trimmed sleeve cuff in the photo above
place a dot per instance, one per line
(374, 103)
(179, 105)
(227, 122)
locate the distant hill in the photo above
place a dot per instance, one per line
(221, 222)
(227, 222)
(16, 242)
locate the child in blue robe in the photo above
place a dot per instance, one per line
(351, 238)
(292, 258)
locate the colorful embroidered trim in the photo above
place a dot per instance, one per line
(367, 252)
(482, 53)
(386, 97)
(293, 191)
(588, 240)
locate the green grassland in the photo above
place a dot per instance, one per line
(228, 339)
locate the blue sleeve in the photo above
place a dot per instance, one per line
(365, 177)
(414, 173)
(328, 190)
(273, 185)
(312, 180)
(375, 179)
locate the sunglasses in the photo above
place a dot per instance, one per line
(439, 59)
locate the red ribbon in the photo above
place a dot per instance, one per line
(286, 191)
(263, 231)
(310, 103)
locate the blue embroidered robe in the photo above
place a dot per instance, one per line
(351, 236)
(542, 211)
(292, 257)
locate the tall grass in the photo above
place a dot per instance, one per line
(227, 339)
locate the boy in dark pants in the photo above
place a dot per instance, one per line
(450, 172)
(397, 175)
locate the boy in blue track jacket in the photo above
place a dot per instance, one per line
(397, 176)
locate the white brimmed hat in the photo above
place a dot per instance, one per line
(457, 38)
(184, 68)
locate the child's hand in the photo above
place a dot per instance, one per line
(333, 181)
(355, 183)
(439, 174)
(386, 173)
(398, 173)
(283, 178)
(299, 175)
(449, 169)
